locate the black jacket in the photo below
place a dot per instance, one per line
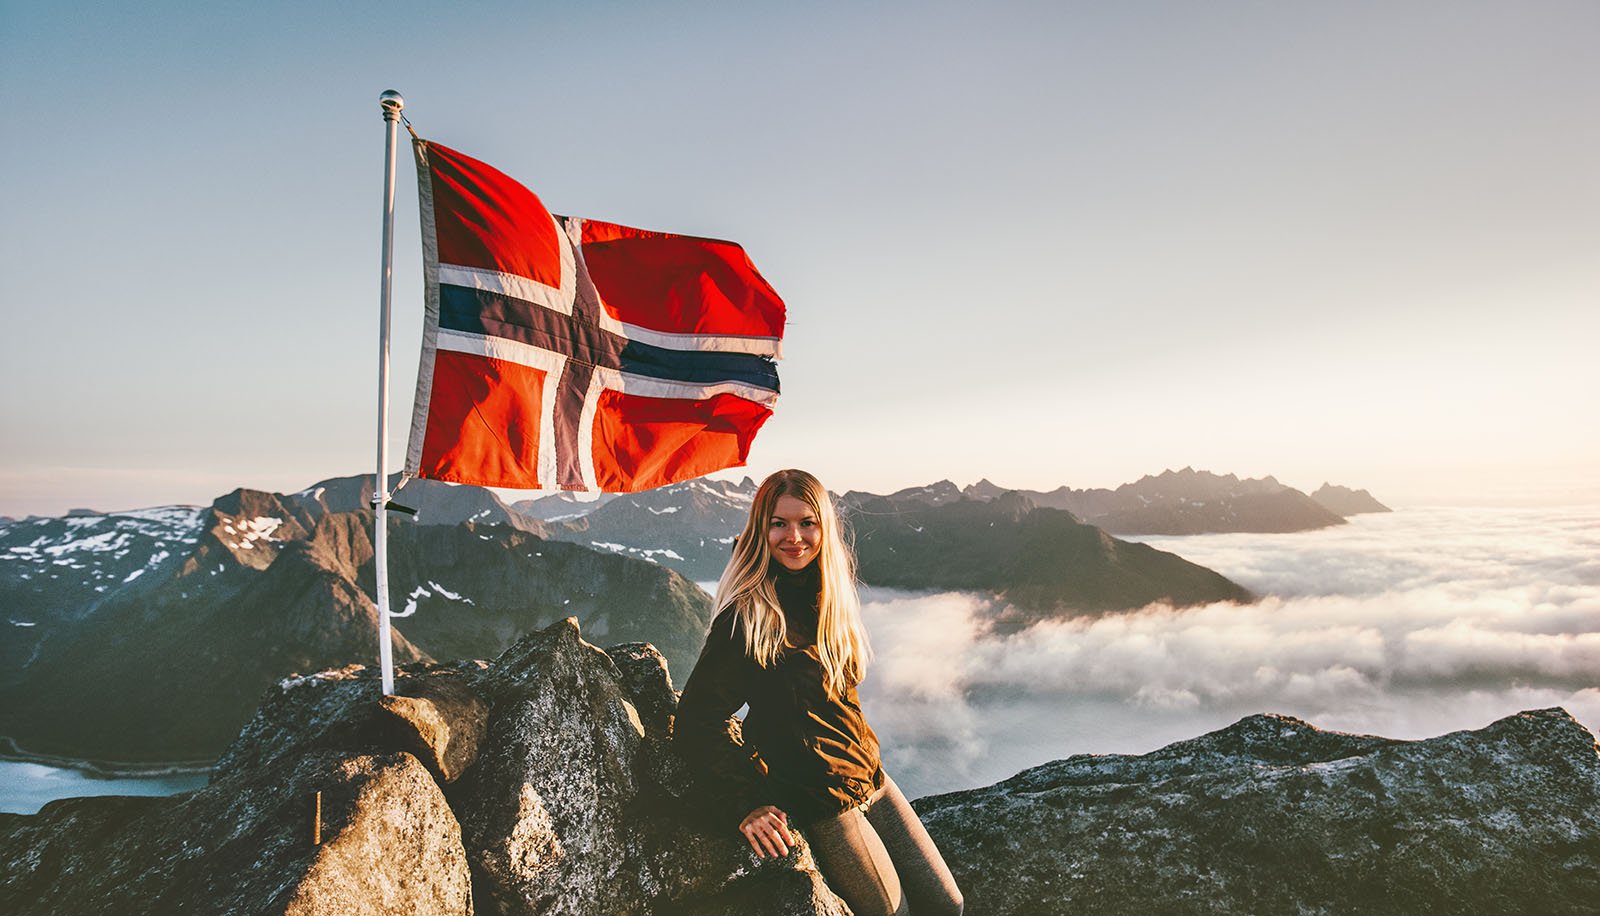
(810, 754)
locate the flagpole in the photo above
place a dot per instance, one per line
(391, 102)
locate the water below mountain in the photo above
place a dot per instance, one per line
(26, 787)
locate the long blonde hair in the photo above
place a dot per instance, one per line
(745, 585)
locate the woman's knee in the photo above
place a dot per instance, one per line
(867, 900)
(870, 895)
(883, 906)
(949, 906)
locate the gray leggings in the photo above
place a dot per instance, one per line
(883, 862)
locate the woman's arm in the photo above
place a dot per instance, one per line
(718, 686)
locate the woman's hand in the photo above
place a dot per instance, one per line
(767, 829)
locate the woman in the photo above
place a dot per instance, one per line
(789, 642)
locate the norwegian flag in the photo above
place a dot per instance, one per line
(566, 353)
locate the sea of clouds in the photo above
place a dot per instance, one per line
(1409, 624)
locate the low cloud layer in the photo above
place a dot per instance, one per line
(1407, 625)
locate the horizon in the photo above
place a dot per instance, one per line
(737, 474)
(1346, 244)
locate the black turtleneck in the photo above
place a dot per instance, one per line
(805, 751)
(798, 592)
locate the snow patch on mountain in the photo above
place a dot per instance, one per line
(643, 553)
(249, 531)
(445, 592)
(428, 591)
(98, 543)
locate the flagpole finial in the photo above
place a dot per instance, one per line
(391, 102)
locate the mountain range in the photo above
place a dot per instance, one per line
(111, 617)
(690, 527)
(1198, 502)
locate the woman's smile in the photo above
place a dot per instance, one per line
(793, 534)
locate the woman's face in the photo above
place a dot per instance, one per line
(793, 533)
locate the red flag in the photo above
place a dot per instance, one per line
(566, 353)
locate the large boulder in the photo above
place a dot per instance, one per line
(1271, 815)
(577, 806)
(544, 809)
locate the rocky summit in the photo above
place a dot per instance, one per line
(540, 783)
(1271, 815)
(545, 783)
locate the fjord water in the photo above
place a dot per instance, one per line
(26, 787)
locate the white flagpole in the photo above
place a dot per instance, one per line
(391, 102)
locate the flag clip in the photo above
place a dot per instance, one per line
(385, 501)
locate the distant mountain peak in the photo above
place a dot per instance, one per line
(933, 494)
(1183, 501)
(1345, 501)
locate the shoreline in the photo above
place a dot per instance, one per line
(103, 769)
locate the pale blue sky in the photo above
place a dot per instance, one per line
(1044, 243)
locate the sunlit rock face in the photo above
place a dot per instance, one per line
(1271, 815)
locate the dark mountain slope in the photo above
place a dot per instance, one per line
(1043, 561)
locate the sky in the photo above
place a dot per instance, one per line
(1407, 625)
(1052, 243)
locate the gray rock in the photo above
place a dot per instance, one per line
(544, 809)
(648, 682)
(1272, 815)
(578, 806)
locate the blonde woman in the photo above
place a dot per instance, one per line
(789, 642)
